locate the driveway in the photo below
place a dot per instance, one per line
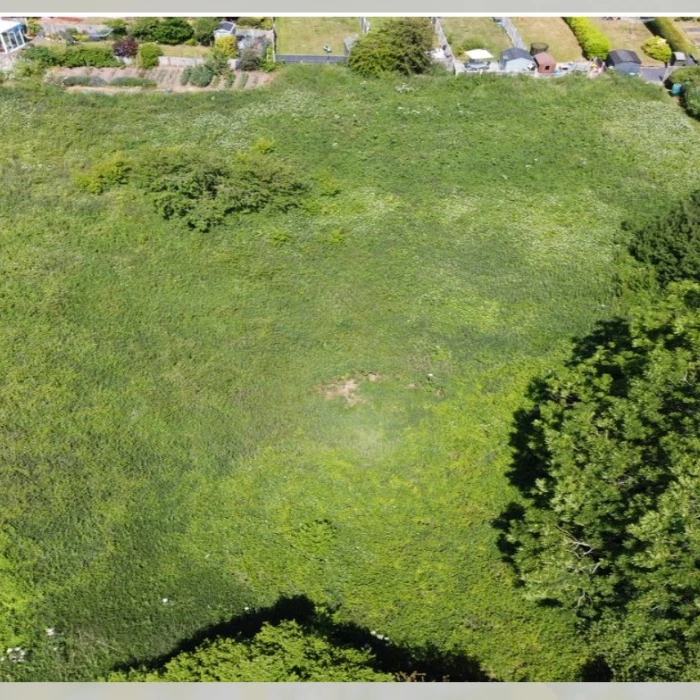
(652, 75)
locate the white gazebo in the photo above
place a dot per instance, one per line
(11, 36)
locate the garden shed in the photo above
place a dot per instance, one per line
(11, 36)
(516, 60)
(545, 62)
(624, 61)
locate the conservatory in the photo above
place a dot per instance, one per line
(11, 36)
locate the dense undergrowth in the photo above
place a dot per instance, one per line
(311, 400)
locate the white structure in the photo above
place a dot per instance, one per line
(225, 29)
(479, 55)
(11, 36)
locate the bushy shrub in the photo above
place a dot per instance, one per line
(677, 39)
(399, 46)
(204, 29)
(174, 30)
(250, 59)
(688, 76)
(217, 61)
(118, 26)
(127, 47)
(185, 75)
(691, 101)
(86, 80)
(128, 81)
(592, 41)
(267, 61)
(112, 171)
(43, 56)
(230, 77)
(201, 76)
(243, 81)
(148, 56)
(228, 46)
(33, 26)
(93, 56)
(657, 48)
(145, 29)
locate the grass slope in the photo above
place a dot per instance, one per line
(173, 448)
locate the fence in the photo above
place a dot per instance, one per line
(449, 59)
(182, 62)
(512, 32)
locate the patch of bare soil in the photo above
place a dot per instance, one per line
(344, 389)
(347, 388)
(166, 77)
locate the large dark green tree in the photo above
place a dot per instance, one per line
(609, 458)
(670, 243)
(398, 46)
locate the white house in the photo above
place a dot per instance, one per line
(11, 36)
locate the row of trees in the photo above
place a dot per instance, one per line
(608, 459)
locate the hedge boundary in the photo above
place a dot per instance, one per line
(593, 42)
(676, 38)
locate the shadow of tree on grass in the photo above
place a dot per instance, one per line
(426, 663)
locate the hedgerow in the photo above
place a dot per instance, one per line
(592, 40)
(675, 36)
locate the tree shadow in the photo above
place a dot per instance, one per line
(423, 663)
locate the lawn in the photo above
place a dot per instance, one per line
(462, 29)
(627, 34)
(308, 35)
(553, 31)
(317, 402)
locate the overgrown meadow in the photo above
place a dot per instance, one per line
(316, 401)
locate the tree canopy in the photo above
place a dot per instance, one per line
(287, 652)
(611, 465)
(398, 46)
(670, 243)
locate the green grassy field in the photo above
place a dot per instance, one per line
(308, 35)
(316, 403)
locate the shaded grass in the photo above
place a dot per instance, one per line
(165, 428)
(308, 35)
(553, 31)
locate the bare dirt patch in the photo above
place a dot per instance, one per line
(347, 388)
(343, 389)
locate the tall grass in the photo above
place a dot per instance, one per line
(173, 450)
